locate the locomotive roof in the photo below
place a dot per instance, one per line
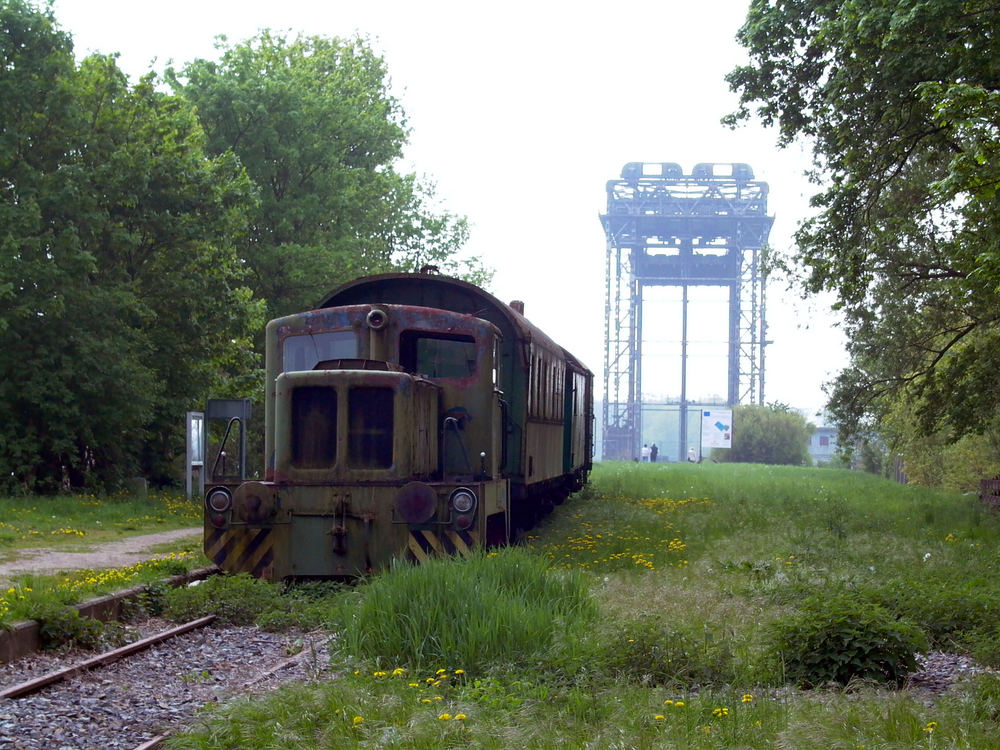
(442, 292)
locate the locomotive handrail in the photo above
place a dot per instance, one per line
(221, 455)
(451, 421)
(505, 425)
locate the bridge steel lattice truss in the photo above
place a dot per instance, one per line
(665, 228)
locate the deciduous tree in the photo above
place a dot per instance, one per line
(120, 292)
(900, 100)
(312, 121)
(772, 434)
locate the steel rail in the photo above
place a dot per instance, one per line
(109, 657)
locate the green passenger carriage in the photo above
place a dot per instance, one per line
(407, 415)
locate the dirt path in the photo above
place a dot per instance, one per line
(117, 554)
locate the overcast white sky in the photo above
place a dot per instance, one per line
(520, 113)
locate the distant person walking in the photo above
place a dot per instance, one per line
(653, 453)
(645, 452)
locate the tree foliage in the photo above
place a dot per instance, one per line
(772, 434)
(121, 301)
(901, 102)
(313, 123)
(144, 235)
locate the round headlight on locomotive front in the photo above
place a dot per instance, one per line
(463, 500)
(219, 500)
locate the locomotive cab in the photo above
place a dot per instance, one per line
(384, 437)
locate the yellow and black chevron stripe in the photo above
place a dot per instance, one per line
(426, 542)
(241, 550)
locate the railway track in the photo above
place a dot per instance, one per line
(135, 696)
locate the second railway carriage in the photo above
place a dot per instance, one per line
(407, 415)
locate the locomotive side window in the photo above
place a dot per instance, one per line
(369, 427)
(437, 355)
(314, 427)
(303, 350)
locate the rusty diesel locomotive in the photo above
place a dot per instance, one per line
(408, 415)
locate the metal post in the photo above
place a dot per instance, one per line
(682, 449)
(195, 453)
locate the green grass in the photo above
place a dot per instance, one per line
(29, 596)
(79, 523)
(689, 572)
(83, 521)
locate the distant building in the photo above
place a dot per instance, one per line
(823, 444)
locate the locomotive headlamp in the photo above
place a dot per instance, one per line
(219, 500)
(377, 319)
(463, 500)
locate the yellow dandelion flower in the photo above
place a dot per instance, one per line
(445, 717)
(721, 712)
(459, 671)
(441, 671)
(747, 697)
(659, 717)
(358, 720)
(679, 704)
(668, 703)
(398, 671)
(425, 700)
(459, 717)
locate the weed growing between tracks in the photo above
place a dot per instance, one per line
(692, 574)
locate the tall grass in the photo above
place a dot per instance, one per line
(643, 614)
(490, 608)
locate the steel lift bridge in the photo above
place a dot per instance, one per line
(666, 228)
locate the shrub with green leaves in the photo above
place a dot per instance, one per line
(237, 599)
(652, 652)
(839, 638)
(62, 627)
(244, 600)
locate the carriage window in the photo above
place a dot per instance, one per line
(302, 351)
(369, 431)
(314, 427)
(437, 355)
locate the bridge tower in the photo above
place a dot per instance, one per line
(666, 228)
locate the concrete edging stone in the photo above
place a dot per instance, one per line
(24, 637)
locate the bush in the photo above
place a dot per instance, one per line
(62, 627)
(654, 653)
(238, 599)
(840, 638)
(947, 608)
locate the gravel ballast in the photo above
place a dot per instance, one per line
(155, 692)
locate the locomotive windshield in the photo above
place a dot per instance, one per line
(437, 355)
(370, 420)
(302, 351)
(314, 436)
